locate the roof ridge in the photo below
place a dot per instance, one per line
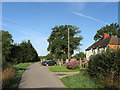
(110, 39)
(94, 44)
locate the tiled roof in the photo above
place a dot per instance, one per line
(96, 44)
(115, 41)
(112, 40)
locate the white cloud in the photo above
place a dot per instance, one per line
(60, 0)
(91, 18)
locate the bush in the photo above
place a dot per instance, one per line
(105, 67)
(8, 75)
(73, 65)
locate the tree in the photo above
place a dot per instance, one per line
(58, 40)
(49, 56)
(16, 53)
(32, 53)
(42, 57)
(79, 55)
(111, 29)
(6, 43)
(28, 53)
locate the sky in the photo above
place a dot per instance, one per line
(33, 20)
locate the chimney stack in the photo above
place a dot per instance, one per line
(105, 35)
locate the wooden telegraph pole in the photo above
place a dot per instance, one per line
(68, 45)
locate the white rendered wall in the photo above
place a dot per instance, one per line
(94, 51)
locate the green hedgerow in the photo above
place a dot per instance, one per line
(105, 67)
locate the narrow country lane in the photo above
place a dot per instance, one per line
(37, 76)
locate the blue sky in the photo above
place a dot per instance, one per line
(34, 20)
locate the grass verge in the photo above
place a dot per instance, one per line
(19, 69)
(61, 69)
(79, 80)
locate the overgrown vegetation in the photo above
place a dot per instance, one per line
(105, 68)
(8, 75)
(12, 74)
(16, 53)
(13, 54)
(80, 80)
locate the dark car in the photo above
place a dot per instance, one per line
(48, 63)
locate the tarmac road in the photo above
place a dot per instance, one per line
(37, 76)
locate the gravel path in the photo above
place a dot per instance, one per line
(37, 76)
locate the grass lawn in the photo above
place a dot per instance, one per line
(19, 69)
(79, 81)
(61, 69)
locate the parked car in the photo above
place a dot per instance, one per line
(48, 63)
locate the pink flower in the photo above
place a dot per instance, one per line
(85, 62)
(73, 64)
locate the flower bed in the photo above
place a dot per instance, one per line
(76, 64)
(73, 65)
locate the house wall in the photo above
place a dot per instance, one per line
(93, 52)
(88, 54)
(114, 46)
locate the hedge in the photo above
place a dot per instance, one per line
(105, 67)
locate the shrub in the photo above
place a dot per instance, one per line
(73, 65)
(105, 67)
(8, 75)
(84, 63)
(76, 64)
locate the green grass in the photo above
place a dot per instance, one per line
(61, 69)
(79, 80)
(19, 69)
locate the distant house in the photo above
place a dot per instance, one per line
(102, 44)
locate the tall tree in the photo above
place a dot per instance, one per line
(49, 56)
(28, 54)
(58, 40)
(32, 53)
(6, 42)
(79, 55)
(111, 29)
(16, 53)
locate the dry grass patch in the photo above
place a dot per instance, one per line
(8, 75)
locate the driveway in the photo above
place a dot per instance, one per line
(37, 76)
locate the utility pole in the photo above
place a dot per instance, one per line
(68, 46)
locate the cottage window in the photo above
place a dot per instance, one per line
(98, 50)
(92, 50)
